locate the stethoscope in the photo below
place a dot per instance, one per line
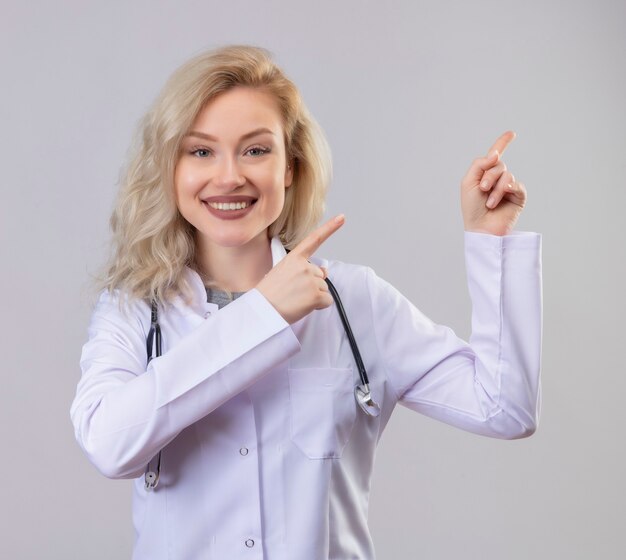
(362, 392)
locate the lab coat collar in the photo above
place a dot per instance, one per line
(278, 250)
(199, 303)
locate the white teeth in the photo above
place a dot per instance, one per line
(229, 205)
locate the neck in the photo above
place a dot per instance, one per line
(236, 269)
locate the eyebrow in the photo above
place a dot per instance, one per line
(250, 134)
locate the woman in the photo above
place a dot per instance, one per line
(244, 437)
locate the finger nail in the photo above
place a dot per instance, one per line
(340, 218)
(484, 185)
(491, 202)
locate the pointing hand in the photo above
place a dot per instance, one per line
(295, 287)
(491, 198)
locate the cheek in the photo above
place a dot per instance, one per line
(273, 179)
(185, 180)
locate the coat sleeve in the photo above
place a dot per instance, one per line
(125, 411)
(491, 385)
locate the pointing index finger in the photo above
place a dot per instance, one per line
(312, 242)
(502, 142)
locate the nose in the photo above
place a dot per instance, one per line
(228, 175)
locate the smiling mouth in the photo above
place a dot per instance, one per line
(230, 205)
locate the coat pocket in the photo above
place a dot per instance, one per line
(323, 410)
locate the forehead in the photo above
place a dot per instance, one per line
(240, 107)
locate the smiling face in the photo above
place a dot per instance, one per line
(232, 172)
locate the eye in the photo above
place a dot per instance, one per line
(199, 152)
(260, 150)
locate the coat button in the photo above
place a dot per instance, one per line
(243, 451)
(206, 314)
(249, 543)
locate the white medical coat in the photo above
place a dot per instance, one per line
(265, 451)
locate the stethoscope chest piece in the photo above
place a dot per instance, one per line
(365, 401)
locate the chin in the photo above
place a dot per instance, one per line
(235, 239)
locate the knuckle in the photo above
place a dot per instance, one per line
(495, 171)
(503, 181)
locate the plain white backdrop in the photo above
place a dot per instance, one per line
(408, 92)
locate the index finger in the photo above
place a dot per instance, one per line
(312, 242)
(502, 142)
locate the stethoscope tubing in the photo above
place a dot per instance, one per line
(348, 329)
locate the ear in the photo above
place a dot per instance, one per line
(289, 174)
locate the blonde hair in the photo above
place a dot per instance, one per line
(152, 243)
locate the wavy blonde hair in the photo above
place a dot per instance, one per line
(152, 243)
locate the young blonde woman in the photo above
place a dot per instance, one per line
(240, 422)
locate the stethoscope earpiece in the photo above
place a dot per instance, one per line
(152, 480)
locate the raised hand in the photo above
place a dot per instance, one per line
(491, 198)
(295, 287)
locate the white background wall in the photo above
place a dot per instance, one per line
(408, 92)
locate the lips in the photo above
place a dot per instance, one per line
(229, 207)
